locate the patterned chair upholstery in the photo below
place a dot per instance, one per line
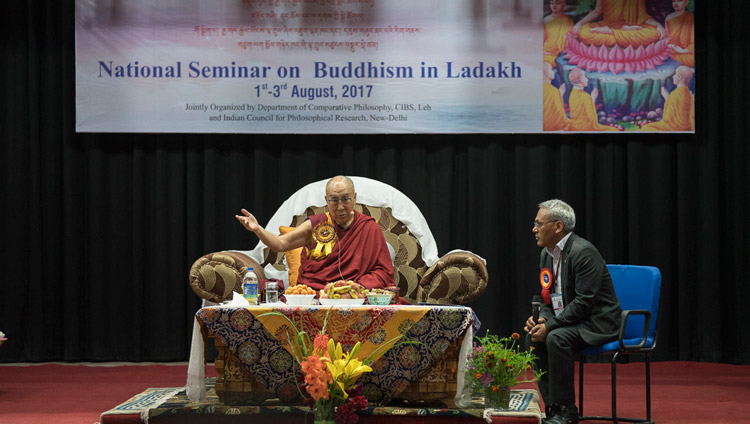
(456, 278)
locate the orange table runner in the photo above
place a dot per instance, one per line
(371, 326)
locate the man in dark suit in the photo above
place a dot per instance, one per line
(580, 307)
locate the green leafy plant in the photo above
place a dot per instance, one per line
(496, 363)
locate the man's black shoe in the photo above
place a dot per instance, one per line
(550, 410)
(560, 414)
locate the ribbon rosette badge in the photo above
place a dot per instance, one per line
(545, 278)
(324, 233)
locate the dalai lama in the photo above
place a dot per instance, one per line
(341, 244)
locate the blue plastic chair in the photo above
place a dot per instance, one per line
(638, 289)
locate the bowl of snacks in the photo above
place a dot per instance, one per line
(299, 295)
(342, 293)
(395, 290)
(379, 297)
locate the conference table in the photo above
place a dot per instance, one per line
(255, 361)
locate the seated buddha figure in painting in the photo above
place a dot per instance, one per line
(625, 39)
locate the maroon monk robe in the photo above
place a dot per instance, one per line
(364, 256)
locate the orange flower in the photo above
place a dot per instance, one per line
(478, 375)
(515, 336)
(494, 388)
(317, 377)
(504, 360)
(320, 345)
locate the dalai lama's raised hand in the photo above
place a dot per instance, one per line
(248, 221)
(300, 236)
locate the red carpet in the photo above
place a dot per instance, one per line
(76, 394)
(683, 392)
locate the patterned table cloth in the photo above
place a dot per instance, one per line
(261, 342)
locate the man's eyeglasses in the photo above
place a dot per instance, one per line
(335, 200)
(538, 224)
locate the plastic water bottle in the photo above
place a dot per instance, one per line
(250, 287)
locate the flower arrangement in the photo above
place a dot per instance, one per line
(330, 373)
(497, 364)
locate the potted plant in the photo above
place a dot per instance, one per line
(495, 365)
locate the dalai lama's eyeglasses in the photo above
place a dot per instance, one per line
(335, 200)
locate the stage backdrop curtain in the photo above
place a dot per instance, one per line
(99, 230)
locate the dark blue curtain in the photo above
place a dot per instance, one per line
(98, 231)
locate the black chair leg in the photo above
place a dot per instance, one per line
(614, 387)
(648, 387)
(580, 385)
(614, 418)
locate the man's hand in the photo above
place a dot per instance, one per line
(537, 330)
(530, 324)
(248, 221)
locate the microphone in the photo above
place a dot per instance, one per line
(536, 305)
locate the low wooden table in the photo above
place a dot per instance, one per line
(254, 364)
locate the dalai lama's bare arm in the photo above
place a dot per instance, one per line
(300, 236)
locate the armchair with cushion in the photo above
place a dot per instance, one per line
(458, 277)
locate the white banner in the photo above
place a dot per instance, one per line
(330, 66)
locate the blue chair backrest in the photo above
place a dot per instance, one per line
(637, 287)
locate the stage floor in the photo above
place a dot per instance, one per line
(75, 393)
(171, 405)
